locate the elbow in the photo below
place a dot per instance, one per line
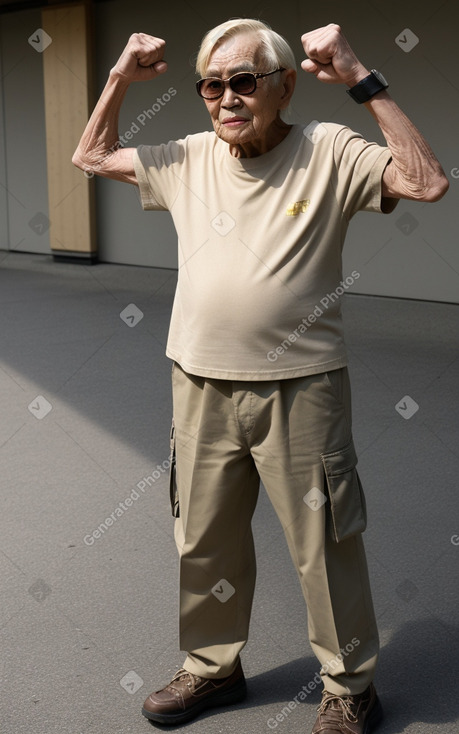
(438, 190)
(435, 187)
(431, 191)
(84, 163)
(428, 188)
(78, 161)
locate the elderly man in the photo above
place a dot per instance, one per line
(260, 385)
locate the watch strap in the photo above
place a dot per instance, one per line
(367, 87)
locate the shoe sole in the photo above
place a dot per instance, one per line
(236, 694)
(375, 717)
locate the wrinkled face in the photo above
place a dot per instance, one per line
(239, 119)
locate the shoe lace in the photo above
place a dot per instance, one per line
(344, 706)
(182, 675)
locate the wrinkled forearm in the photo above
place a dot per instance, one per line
(99, 148)
(414, 172)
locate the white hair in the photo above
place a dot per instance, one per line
(276, 51)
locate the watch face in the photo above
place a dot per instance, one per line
(380, 77)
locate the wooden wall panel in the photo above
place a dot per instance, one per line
(67, 84)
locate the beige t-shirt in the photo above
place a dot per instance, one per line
(260, 240)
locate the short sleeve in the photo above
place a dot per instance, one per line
(359, 167)
(157, 168)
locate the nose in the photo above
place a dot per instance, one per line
(229, 98)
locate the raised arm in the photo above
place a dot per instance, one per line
(99, 150)
(414, 172)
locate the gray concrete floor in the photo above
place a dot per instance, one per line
(88, 630)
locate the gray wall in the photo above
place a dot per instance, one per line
(125, 233)
(3, 189)
(411, 253)
(24, 198)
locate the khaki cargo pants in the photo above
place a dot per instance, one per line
(296, 436)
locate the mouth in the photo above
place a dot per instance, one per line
(234, 121)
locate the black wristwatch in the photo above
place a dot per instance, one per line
(368, 87)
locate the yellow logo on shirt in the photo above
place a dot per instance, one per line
(299, 206)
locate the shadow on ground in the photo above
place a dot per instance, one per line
(416, 680)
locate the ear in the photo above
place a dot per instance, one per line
(289, 81)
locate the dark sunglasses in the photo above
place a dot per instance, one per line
(245, 82)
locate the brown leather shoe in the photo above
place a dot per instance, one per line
(188, 694)
(359, 714)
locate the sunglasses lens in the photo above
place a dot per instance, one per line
(243, 83)
(211, 88)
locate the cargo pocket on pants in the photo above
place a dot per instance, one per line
(173, 491)
(347, 514)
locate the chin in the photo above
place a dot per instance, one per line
(234, 137)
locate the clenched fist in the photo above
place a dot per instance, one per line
(331, 58)
(142, 59)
